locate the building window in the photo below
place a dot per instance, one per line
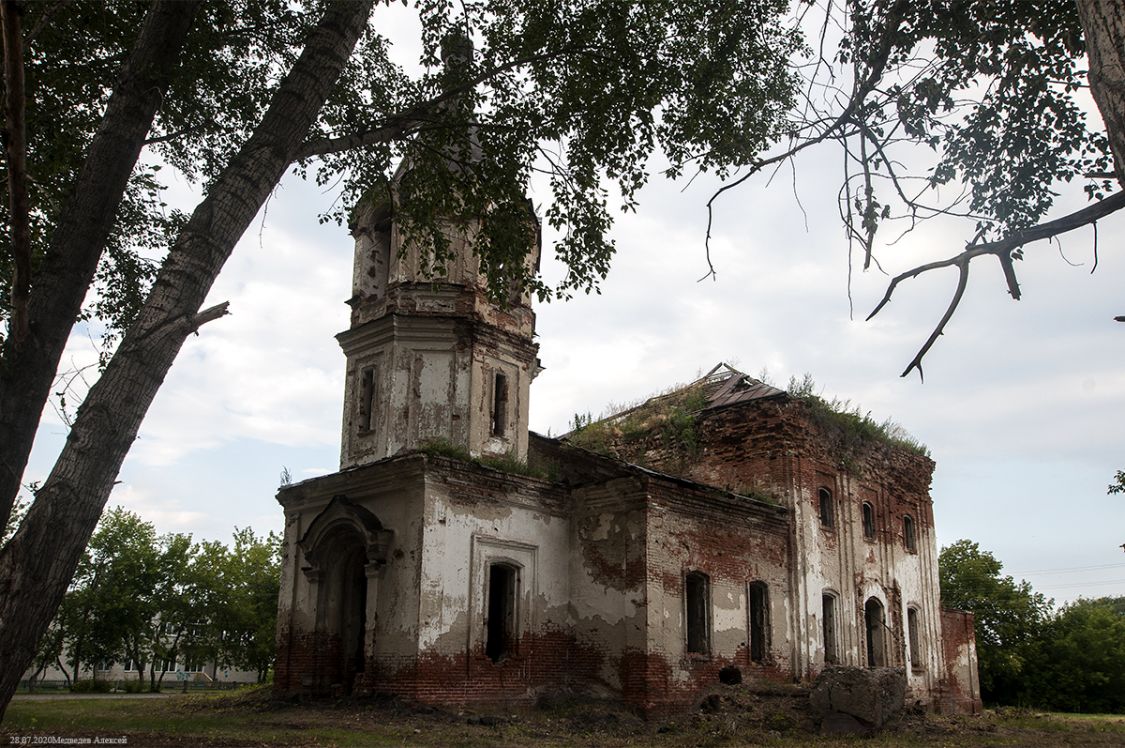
(908, 534)
(500, 405)
(759, 621)
(876, 624)
(367, 400)
(915, 638)
(868, 521)
(827, 512)
(500, 626)
(698, 593)
(828, 628)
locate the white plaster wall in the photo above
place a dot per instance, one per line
(461, 536)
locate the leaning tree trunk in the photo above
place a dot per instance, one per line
(37, 564)
(1103, 23)
(27, 368)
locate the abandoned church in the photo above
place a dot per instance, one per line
(724, 530)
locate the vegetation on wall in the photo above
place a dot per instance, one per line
(505, 463)
(849, 428)
(666, 422)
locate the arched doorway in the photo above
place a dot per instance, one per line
(342, 610)
(875, 618)
(344, 547)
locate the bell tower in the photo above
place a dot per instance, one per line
(430, 356)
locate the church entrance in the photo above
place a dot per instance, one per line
(344, 612)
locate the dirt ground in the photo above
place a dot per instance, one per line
(732, 717)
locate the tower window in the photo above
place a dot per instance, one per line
(868, 521)
(827, 512)
(500, 627)
(698, 594)
(367, 400)
(759, 621)
(908, 534)
(500, 405)
(828, 626)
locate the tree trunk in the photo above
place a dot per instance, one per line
(37, 563)
(1103, 22)
(27, 369)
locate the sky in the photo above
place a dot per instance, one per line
(1021, 406)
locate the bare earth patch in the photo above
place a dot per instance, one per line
(729, 717)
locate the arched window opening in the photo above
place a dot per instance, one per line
(868, 521)
(915, 638)
(368, 382)
(827, 511)
(908, 534)
(876, 627)
(499, 404)
(759, 621)
(698, 600)
(828, 626)
(500, 627)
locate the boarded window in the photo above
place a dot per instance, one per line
(868, 521)
(828, 627)
(367, 400)
(500, 405)
(827, 512)
(874, 618)
(500, 627)
(908, 534)
(698, 594)
(759, 621)
(915, 638)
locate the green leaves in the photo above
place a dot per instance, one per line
(156, 599)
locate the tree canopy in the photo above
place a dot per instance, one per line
(1072, 659)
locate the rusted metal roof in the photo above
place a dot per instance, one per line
(724, 385)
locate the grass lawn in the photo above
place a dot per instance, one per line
(250, 719)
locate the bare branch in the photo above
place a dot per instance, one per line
(209, 314)
(861, 90)
(1002, 249)
(397, 125)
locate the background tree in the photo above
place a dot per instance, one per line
(1081, 663)
(1010, 618)
(584, 89)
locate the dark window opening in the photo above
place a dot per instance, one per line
(873, 617)
(908, 533)
(827, 515)
(868, 521)
(698, 594)
(500, 627)
(367, 400)
(500, 405)
(915, 638)
(828, 625)
(759, 621)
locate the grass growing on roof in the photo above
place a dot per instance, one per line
(670, 416)
(505, 463)
(851, 427)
